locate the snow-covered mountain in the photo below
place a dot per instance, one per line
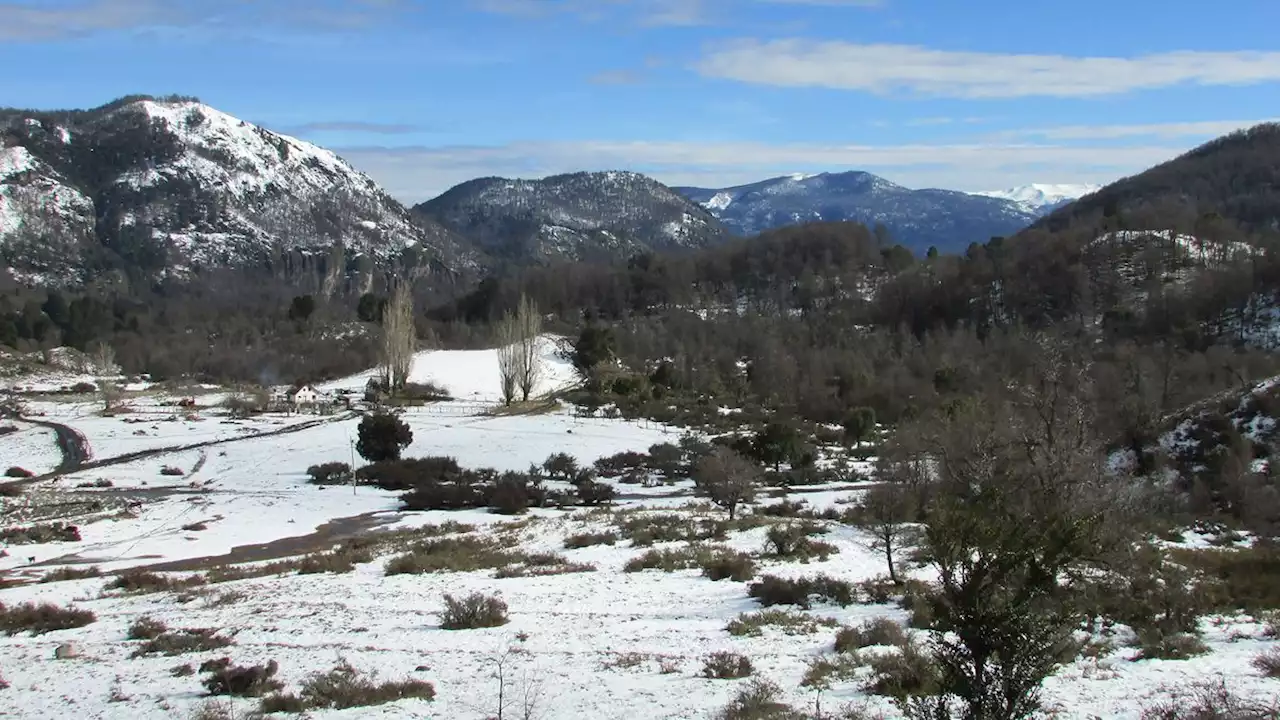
(1042, 198)
(575, 216)
(919, 219)
(173, 187)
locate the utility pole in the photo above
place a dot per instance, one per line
(352, 444)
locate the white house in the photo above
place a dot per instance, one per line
(304, 395)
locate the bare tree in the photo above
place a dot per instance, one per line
(726, 478)
(529, 364)
(507, 332)
(399, 338)
(884, 512)
(104, 363)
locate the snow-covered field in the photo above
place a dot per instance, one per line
(600, 644)
(32, 448)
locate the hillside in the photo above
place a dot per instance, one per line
(171, 187)
(918, 219)
(579, 216)
(1234, 178)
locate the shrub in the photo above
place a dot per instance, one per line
(561, 466)
(684, 558)
(624, 463)
(729, 565)
(381, 436)
(172, 471)
(790, 622)
(345, 687)
(330, 473)
(242, 680)
(793, 541)
(726, 666)
(40, 534)
(143, 581)
(757, 701)
(1268, 663)
(181, 642)
(591, 493)
(42, 618)
(541, 564)
(476, 610)
(71, 573)
(1154, 645)
(18, 472)
(574, 542)
(1247, 578)
(772, 590)
(1209, 701)
(461, 554)
(145, 628)
(784, 508)
(222, 710)
(881, 631)
(647, 529)
(907, 673)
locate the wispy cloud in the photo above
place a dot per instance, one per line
(26, 22)
(887, 69)
(1209, 128)
(830, 3)
(651, 13)
(417, 173)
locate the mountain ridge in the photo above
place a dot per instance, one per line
(175, 186)
(946, 219)
(576, 216)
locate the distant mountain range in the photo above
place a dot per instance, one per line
(579, 216)
(945, 219)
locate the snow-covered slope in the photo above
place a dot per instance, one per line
(178, 186)
(574, 216)
(916, 218)
(1042, 198)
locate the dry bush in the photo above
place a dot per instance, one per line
(910, 672)
(789, 621)
(881, 631)
(181, 642)
(40, 534)
(476, 610)
(574, 542)
(772, 590)
(222, 710)
(146, 628)
(540, 564)
(735, 566)
(346, 687)
(1268, 663)
(141, 582)
(758, 700)
(241, 680)
(40, 618)
(461, 554)
(725, 665)
(683, 558)
(1210, 701)
(650, 528)
(71, 573)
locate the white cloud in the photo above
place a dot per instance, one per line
(886, 69)
(651, 13)
(25, 22)
(417, 173)
(1210, 128)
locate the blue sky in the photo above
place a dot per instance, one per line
(423, 94)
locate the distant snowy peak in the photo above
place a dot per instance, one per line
(1042, 198)
(919, 219)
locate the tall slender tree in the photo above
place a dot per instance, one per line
(529, 365)
(399, 338)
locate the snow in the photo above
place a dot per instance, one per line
(14, 160)
(571, 629)
(32, 447)
(473, 374)
(1040, 197)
